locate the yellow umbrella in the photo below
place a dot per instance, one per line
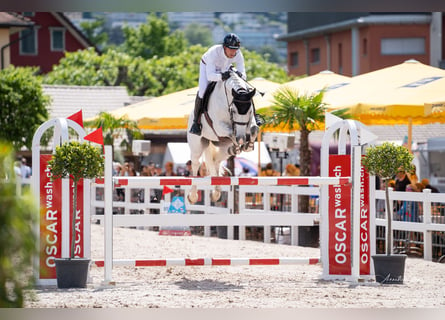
(267, 88)
(398, 91)
(394, 95)
(326, 79)
(169, 111)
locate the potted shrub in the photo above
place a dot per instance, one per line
(75, 160)
(384, 161)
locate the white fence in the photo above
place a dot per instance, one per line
(275, 208)
(269, 206)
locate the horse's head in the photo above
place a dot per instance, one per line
(241, 106)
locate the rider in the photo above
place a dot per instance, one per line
(214, 66)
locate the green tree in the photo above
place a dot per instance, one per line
(258, 66)
(95, 31)
(23, 106)
(114, 128)
(76, 160)
(153, 39)
(384, 161)
(113, 68)
(153, 77)
(198, 34)
(18, 216)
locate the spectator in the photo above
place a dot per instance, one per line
(17, 170)
(402, 180)
(145, 172)
(157, 170)
(168, 169)
(25, 169)
(188, 169)
(117, 167)
(426, 184)
(412, 176)
(269, 171)
(409, 210)
(291, 170)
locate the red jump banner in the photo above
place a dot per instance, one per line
(51, 198)
(339, 241)
(50, 220)
(365, 224)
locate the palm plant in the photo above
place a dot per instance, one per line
(384, 161)
(76, 160)
(293, 111)
(304, 112)
(114, 128)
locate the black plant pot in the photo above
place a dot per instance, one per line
(389, 269)
(72, 273)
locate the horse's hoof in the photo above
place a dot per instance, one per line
(215, 195)
(192, 198)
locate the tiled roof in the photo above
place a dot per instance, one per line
(66, 100)
(10, 19)
(420, 133)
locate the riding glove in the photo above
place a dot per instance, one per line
(225, 75)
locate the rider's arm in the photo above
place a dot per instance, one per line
(210, 59)
(240, 64)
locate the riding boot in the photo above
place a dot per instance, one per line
(196, 126)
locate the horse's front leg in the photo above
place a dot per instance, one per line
(193, 194)
(249, 145)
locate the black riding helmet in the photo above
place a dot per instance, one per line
(232, 41)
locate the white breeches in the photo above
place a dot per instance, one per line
(203, 82)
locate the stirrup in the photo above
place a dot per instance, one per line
(195, 129)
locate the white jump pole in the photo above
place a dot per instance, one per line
(108, 215)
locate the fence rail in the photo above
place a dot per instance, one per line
(277, 207)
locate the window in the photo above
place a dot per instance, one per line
(28, 42)
(315, 55)
(28, 14)
(392, 46)
(294, 59)
(57, 39)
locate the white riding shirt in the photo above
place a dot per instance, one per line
(214, 62)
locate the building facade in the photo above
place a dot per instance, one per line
(45, 44)
(357, 43)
